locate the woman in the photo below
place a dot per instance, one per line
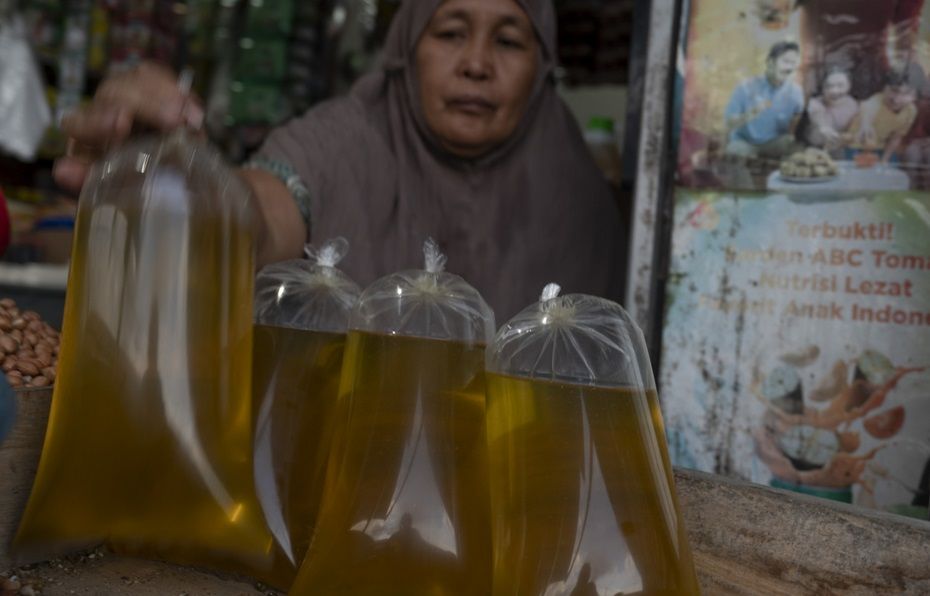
(855, 35)
(458, 135)
(832, 112)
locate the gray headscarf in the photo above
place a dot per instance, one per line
(532, 211)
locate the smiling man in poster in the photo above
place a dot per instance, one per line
(763, 111)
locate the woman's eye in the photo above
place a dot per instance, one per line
(510, 43)
(450, 35)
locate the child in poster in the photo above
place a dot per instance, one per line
(885, 119)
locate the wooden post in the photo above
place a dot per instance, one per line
(653, 175)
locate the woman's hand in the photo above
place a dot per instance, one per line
(146, 96)
(149, 96)
(832, 139)
(830, 135)
(866, 136)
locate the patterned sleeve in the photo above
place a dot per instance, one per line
(286, 173)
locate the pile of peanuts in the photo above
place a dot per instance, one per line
(28, 347)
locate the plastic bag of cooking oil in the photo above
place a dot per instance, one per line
(582, 493)
(302, 311)
(405, 503)
(149, 444)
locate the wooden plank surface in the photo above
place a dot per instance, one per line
(747, 539)
(103, 574)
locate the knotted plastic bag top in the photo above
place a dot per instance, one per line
(429, 303)
(574, 338)
(307, 294)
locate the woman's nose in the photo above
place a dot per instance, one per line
(476, 61)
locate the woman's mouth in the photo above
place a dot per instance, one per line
(474, 105)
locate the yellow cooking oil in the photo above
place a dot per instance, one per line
(295, 380)
(405, 505)
(149, 445)
(581, 492)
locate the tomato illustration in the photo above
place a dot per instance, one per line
(885, 425)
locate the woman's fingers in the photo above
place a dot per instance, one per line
(149, 93)
(98, 125)
(146, 96)
(70, 172)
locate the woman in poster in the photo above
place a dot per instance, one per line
(871, 39)
(855, 35)
(831, 113)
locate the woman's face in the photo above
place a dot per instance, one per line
(476, 65)
(836, 86)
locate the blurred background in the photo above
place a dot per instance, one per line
(256, 64)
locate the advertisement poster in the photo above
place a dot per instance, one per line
(796, 344)
(812, 95)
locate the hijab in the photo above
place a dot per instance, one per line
(534, 210)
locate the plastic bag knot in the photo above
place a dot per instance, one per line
(330, 254)
(435, 260)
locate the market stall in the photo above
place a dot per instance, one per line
(443, 427)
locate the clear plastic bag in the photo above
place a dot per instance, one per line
(302, 311)
(26, 114)
(582, 493)
(149, 444)
(405, 504)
